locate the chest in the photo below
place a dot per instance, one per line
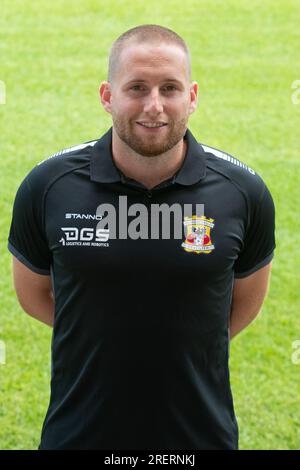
(95, 229)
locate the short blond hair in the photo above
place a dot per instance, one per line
(152, 33)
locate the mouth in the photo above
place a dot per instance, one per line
(152, 126)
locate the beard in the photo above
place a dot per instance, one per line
(150, 145)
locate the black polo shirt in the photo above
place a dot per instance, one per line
(140, 344)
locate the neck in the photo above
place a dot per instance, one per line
(150, 171)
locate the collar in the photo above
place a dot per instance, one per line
(103, 169)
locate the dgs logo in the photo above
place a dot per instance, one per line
(73, 234)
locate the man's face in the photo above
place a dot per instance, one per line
(151, 86)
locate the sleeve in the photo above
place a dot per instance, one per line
(27, 240)
(259, 242)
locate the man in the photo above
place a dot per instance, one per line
(142, 318)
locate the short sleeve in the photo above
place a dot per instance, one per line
(259, 243)
(27, 240)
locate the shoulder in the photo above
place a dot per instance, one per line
(58, 164)
(243, 177)
(79, 149)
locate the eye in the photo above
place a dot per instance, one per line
(170, 87)
(136, 87)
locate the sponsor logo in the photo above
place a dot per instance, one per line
(83, 216)
(85, 236)
(198, 238)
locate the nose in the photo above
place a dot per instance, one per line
(153, 102)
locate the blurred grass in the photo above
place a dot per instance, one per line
(245, 57)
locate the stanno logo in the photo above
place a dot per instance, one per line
(83, 216)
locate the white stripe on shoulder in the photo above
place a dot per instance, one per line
(228, 158)
(70, 149)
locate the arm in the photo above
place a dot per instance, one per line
(34, 292)
(247, 298)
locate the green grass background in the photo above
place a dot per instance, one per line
(245, 56)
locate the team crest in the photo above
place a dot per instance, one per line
(197, 232)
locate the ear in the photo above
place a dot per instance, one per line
(105, 95)
(193, 96)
